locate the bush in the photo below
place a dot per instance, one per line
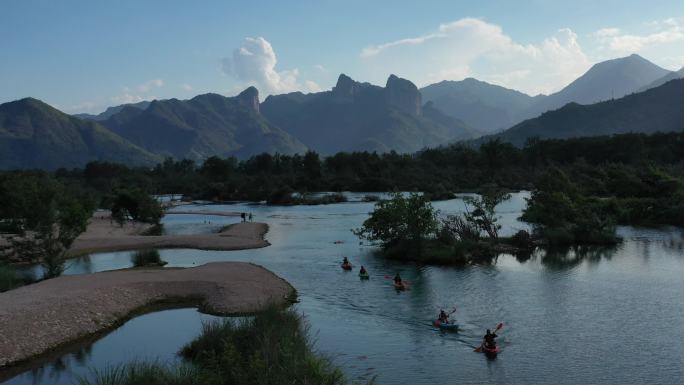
(145, 258)
(271, 348)
(406, 221)
(9, 279)
(522, 239)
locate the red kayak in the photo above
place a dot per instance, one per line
(489, 351)
(346, 266)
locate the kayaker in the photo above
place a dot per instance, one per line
(490, 339)
(443, 316)
(363, 271)
(345, 261)
(397, 280)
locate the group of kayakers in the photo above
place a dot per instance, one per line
(488, 341)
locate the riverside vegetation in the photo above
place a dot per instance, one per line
(581, 187)
(273, 347)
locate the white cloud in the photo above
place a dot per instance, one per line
(186, 87)
(150, 84)
(473, 47)
(662, 32)
(607, 32)
(138, 93)
(255, 64)
(127, 98)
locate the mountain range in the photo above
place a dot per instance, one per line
(35, 135)
(203, 126)
(658, 109)
(479, 104)
(357, 116)
(633, 95)
(492, 108)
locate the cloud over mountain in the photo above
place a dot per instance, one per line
(254, 63)
(473, 47)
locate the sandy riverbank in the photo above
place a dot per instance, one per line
(102, 237)
(103, 234)
(37, 318)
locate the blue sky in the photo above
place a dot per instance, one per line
(82, 56)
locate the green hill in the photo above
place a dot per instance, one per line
(36, 135)
(656, 110)
(203, 126)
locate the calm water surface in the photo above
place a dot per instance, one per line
(573, 317)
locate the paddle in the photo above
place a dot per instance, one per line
(498, 327)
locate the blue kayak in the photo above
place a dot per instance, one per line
(445, 325)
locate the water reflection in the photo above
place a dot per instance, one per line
(558, 305)
(569, 257)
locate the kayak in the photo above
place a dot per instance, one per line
(445, 325)
(346, 266)
(364, 276)
(399, 286)
(490, 352)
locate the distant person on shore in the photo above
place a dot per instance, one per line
(242, 215)
(251, 217)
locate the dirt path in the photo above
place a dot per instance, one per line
(37, 318)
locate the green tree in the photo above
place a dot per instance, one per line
(483, 214)
(400, 221)
(47, 218)
(136, 203)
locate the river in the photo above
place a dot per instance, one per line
(596, 316)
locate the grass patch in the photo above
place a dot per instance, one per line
(271, 348)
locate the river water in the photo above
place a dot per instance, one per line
(595, 316)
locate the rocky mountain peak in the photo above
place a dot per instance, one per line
(250, 98)
(403, 95)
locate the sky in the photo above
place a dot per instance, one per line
(83, 56)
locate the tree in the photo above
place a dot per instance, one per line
(138, 204)
(400, 221)
(483, 215)
(46, 219)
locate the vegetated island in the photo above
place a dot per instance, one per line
(37, 318)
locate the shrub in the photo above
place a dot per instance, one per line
(144, 258)
(9, 279)
(400, 220)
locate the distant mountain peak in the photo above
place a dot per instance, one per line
(345, 88)
(403, 95)
(250, 98)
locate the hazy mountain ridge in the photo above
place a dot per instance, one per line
(655, 110)
(479, 104)
(206, 125)
(356, 116)
(36, 135)
(659, 82)
(610, 79)
(113, 110)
